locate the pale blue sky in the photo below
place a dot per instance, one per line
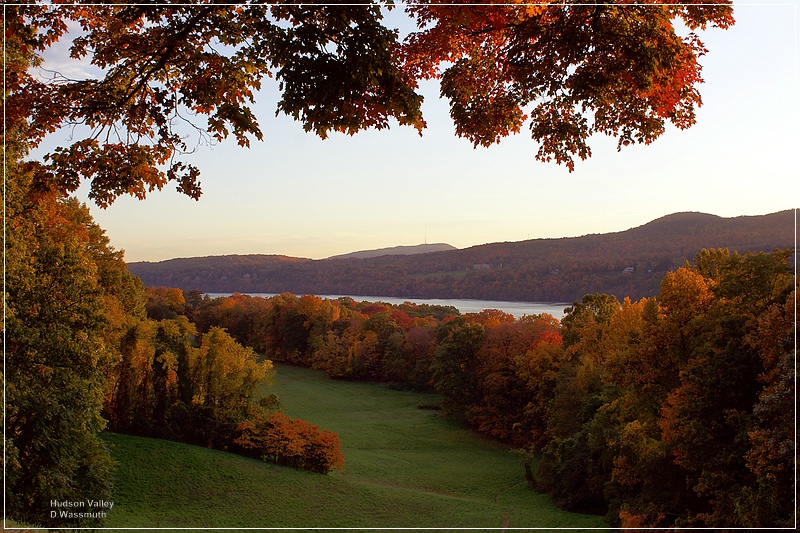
(297, 195)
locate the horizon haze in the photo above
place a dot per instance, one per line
(406, 249)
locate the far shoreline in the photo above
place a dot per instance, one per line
(517, 309)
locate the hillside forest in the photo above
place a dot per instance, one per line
(627, 264)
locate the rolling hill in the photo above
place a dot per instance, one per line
(627, 263)
(405, 467)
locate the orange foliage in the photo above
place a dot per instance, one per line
(402, 319)
(291, 442)
(629, 67)
(490, 318)
(374, 309)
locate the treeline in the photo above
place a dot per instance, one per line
(201, 389)
(678, 410)
(82, 355)
(171, 382)
(626, 264)
(672, 411)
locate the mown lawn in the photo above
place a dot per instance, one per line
(405, 467)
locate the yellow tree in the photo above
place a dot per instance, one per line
(225, 375)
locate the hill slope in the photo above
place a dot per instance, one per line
(628, 263)
(406, 467)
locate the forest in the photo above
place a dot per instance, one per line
(670, 411)
(555, 270)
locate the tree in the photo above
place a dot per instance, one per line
(457, 344)
(576, 464)
(504, 388)
(225, 375)
(243, 317)
(339, 68)
(166, 63)
(56, 355)
(716, 417)
(773, 437)
(582, 319)
(420, 342)
(622, 65)
(644, 486)
(164, 302)
(152, 374)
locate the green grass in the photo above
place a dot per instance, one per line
(405, 467)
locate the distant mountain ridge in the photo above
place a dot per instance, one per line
(628, 263)
(396, 250)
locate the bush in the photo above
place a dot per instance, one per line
(290, 442)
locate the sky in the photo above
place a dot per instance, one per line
(297, 195)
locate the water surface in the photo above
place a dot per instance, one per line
(517, 309)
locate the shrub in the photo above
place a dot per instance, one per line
(287, 441)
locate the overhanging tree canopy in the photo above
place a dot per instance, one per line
(570, 70)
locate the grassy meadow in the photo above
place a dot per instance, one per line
(406, 467)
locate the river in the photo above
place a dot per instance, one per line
(517, 309)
